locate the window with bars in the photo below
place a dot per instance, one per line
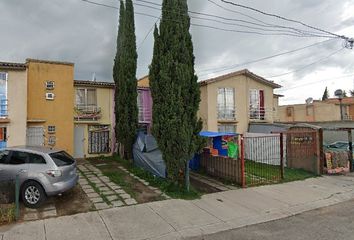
(49, 85)
(256, 104)
(99, 139)
(3, 94)
(226, 104)
(230, 128)
(51, 129)
(52, 140)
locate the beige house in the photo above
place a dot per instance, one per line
(317, 111)
(230, 102)
(94, 118)
(13, 104)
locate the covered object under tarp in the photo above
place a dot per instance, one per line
(147, 155)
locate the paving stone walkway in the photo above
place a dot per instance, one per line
(42, 213)
(101, 191)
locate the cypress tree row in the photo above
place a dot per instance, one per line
(124, 74)
(175, 90)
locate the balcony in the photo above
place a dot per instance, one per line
(3, 108)
(145, 115)
(262, 114)
(226, 113)
(87, 113)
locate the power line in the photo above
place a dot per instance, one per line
(148, 33)
(311, 83)
(208, 26)
(220, 69)
(265, 23)
(306, 66)
(284, 18)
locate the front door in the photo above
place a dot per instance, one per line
(79, 140)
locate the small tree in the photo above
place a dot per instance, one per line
(352, 93)
(345, 94)
(124, 73)
(325, 95)
(175, 90)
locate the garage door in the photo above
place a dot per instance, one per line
(35, 136)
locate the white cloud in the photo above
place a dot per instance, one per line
(73, 30)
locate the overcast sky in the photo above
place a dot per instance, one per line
(75, 31)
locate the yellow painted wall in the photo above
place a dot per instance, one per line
(317, 112)
(59, 112)
(17, 107)
(105, 100)
(242, 85)
(144, 82)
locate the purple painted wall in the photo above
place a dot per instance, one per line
(145, 106)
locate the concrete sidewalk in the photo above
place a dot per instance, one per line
(178, 219)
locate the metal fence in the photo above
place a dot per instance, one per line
(263, 159)
(9, 200)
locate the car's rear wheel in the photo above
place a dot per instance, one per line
(33, 194)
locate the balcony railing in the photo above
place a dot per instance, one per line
(347, 117)
(88, 108)
(227, 113)
(3, 108)
(262, 114)
(145, 115)
(87, 112)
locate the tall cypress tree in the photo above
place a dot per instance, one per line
(175, 90)
(125, 77)
(116, 68)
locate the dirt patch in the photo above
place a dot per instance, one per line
(69, 203)
(202, 187)
(73, 202)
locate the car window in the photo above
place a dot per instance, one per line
(36, 159)
(62, 158)
(3, 156)
(18, 157)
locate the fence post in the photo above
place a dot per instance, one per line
(17, 197)
(320, 144)
(281, 156)
(243, 174)
(350, 141)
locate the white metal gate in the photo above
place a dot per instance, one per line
(35, 136)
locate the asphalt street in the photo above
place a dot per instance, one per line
(329, 223)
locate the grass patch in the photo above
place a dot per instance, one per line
(261, 173)
(7, 213)
(291, 174)
(166, 186)
(118, 177)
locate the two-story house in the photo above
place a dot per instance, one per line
(329, 110)
(50, 97)
(94, 119)
(13, 104)
(229, 103)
